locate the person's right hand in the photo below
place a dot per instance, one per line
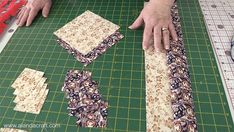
(30, 11)
(156, 17)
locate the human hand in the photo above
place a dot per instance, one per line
(156, 16)
(30, 11)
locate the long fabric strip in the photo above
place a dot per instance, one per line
(169, 101)
(159, 115)
(180, 83)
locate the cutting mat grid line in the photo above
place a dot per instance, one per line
(64, 102)
(10, 101)
(218, 17)
(223, 108)
(120, 71)
(206, 85)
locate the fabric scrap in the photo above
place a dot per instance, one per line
(84, 100)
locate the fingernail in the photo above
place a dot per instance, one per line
(157, 51)
(144, 48)
(130, 27)
(45, 16)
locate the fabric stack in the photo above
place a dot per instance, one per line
(30, 90)
(88, 36)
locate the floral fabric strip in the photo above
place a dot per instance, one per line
(180, 83)
(159, 114)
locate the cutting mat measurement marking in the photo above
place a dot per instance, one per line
(7, 34)
(219, 19)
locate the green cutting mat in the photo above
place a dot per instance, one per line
(120, 71)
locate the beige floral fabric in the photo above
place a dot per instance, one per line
(159, 114)
(11, 130)
(30, 90)
(86, 32)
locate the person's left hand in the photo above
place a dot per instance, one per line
(30, 11)
(156, 16)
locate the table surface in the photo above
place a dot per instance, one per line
(120, 71)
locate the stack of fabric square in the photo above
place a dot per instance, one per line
(30, 90)
(88, 36)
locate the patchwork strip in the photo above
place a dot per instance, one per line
(169, 101)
